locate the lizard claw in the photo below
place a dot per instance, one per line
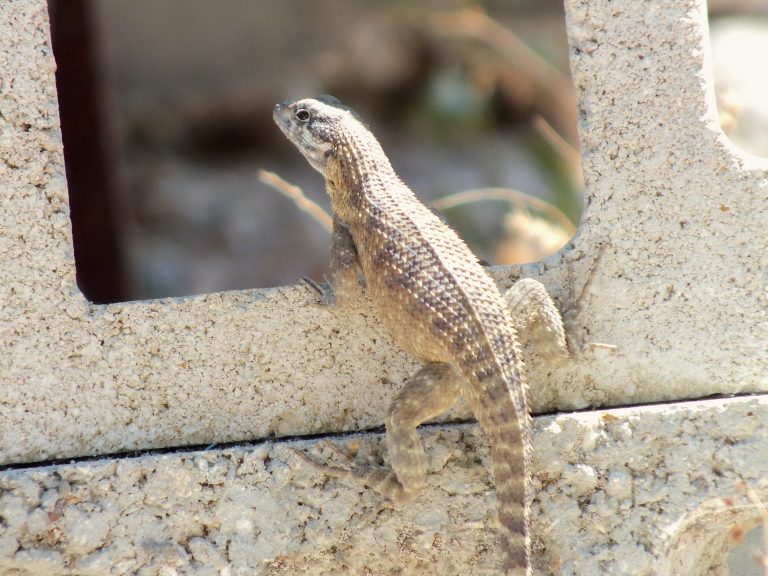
(380, 478)
(334, 450)
(345, 469)
(324, 289)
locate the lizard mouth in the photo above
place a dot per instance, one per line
(281, 116)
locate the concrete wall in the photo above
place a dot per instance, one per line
(664, 289)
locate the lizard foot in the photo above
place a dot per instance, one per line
(380, 478)
(343, 467)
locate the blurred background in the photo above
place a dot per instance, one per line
(166, 120)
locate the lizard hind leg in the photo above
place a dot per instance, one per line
(537, 319)
(428, 393)
(431, 391)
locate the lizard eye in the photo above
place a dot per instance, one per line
(302, 115)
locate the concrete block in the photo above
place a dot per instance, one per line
(665, 291)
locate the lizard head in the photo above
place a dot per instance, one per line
(314, 125)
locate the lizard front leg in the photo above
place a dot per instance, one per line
(344, 270)
(431, 391)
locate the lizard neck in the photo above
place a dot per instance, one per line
(358, 169)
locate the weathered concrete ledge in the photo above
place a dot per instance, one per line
(646, 491)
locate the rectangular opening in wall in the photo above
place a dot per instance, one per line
(167, 118)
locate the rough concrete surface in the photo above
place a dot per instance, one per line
(617, 492)
(669, 269)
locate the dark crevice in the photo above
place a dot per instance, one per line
(192, 448)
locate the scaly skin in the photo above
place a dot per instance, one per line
(437, 302)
